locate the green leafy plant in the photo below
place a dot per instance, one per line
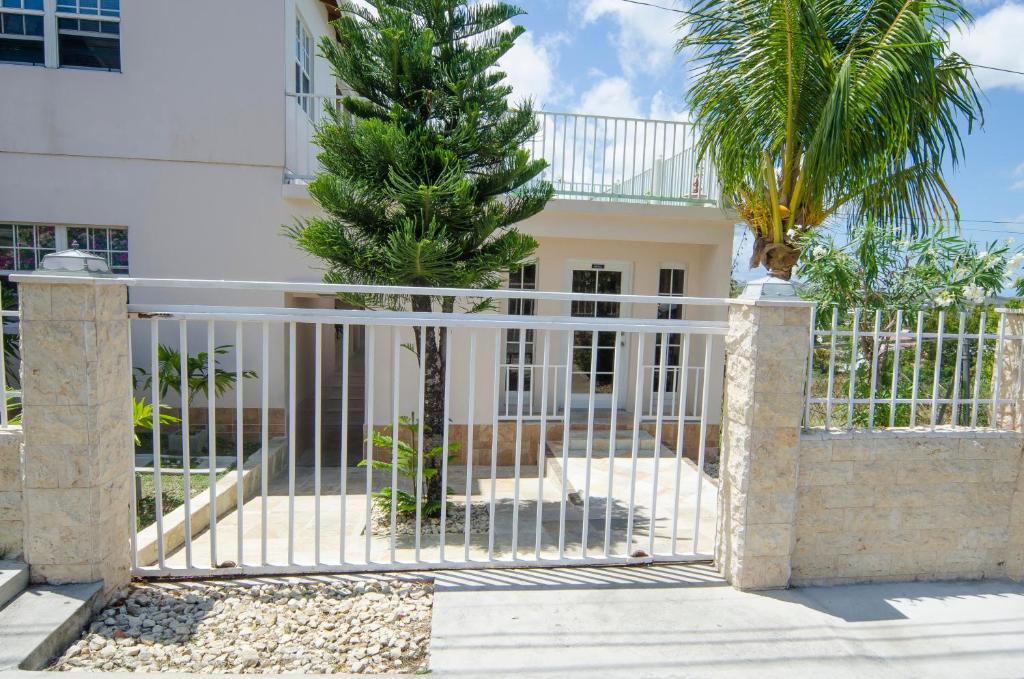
(406, 466)
(142, 416)
(817, 110)
(197, 375)
(13, 403)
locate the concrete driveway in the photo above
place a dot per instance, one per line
(683, 621)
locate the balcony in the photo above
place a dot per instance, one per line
(602, 158)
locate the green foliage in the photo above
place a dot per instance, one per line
(406, 466)
(424, 171)
(197, 375)
(13, 403)
(142, 416)
(875, 268)
(815, 109)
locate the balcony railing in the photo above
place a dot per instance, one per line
(590, 157)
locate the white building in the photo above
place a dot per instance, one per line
(173, 138)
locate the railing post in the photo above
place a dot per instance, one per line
(766, 366)
(78, 451)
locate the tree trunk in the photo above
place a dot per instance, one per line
(780, 259)
(433, 397)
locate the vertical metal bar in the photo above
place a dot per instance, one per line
(997, 372)
(519, 437)
(636, 442)
(370, 340)
(918, 340)
(133, 499)
(239, 447)
(343, 461)
(854, 338)
(575, 123)
(264, 439)
(291, 441)
(396, 390)
(590, 443)
(542, 445)
(154, 371)
(613, 436)
(444, 439)
(701, 444)
(211, 436)
(896, 369)
(831, 367)
(938, 369)
(494, 448)
(420, 451)
(976, 396)
(873, 394)
(470, 411)
(684, 375)
(566, 423)
(954, 416)
(318, 423)
(812, 337)
(658, 421)
(186, 453)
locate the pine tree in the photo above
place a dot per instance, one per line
(424, 168)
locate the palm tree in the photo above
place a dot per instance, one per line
(812, 109)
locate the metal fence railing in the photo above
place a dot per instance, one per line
(590, 157)
(344, 484)
(890, 368)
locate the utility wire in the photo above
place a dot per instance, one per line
(718, 18)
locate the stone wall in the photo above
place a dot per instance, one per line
(901, 505)
(12, 519)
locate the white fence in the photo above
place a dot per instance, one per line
(931, 368)
(9, 364)
(551, 485)
(590, 157)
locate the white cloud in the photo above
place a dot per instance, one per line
(530, 67)
(645, 37)
(668, 107)
(1018, 175)
(994, 40)
(611, 97)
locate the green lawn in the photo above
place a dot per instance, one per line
(172, 489)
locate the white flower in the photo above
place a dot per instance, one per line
(974, 293)
(983, 254)
(1010, 241)
(819, 251)
(791, 234)
(1015, 261)
(943, 299)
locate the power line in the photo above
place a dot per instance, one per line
(701, 15)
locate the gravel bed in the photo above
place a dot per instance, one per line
(341, 625)
(455, 520)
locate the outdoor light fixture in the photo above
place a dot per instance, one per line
(74, 261)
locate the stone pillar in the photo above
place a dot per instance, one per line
(78, 450)
(1010, 414)
(766, 361)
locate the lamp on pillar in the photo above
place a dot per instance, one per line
(75, 261)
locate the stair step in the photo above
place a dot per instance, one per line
(41, 621)
(13, 579)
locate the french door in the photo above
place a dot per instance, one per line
(604, 278)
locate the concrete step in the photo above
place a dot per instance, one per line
(41, 621)
(623, 440)
(13, 579)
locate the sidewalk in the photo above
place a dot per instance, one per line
(683, 621)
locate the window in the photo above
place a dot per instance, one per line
(671, 282)
(21, 32)
(23, 246)
(78, 33)
(523, 279)
(89, 33)
(303, 66)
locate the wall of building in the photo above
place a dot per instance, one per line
(12, 518)
(894, 505)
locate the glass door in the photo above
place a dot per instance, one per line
(597, 279)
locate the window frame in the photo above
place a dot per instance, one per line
(23, 12)
(521, 307)
(62, 242)
(304, 64)
(52, 14)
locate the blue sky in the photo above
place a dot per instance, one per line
(614, 58)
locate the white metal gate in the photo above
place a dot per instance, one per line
(531, 483)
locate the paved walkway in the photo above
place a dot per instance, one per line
(683, 621)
